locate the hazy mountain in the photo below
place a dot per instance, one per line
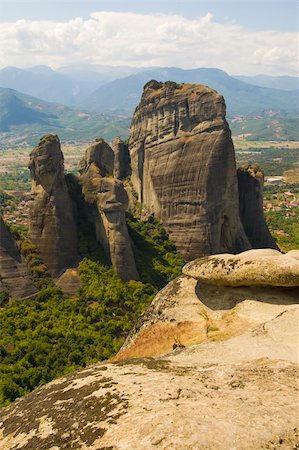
(285, 83)
(107, 88)
(99, 74)
(25, 118)
(241, 98)
(45, 83)
(69, 85)
(15, 111)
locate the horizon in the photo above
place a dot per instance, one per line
(226, 35)
(140, 69)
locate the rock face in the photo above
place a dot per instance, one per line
(211, 301)
(122, 163)
(260, 267)
(107, 202)
(52, 222)
(101, 155)
(14, 274)
(250, 182)
(183, 167)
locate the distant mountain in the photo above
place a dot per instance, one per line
(241, 98)
(15, 111)
(45, 83)
(99, 88)
(69, 85)
(25, 118)
(285, 83)
(99, 74)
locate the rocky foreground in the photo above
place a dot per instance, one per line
(224, 377)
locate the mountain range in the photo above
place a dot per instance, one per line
(106, 88)
(101, 100)
(24, 118)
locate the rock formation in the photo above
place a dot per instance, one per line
(262, 267)
(230, 383)
(14, 274)
(183, 167)
(216, 298)
(52, 223)
(122, 164)
(69, 282)
(250, 182)
(101, 155)
(107, 202)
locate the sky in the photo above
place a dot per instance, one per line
(245, 37)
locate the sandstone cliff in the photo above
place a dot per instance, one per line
(122, 164)
(183, 167)
(101, 155)
(250, 182)
(107, 202)
(52, 222)
(14, 274)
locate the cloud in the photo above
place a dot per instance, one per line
(114, 38)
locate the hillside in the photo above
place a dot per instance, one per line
(24, 118)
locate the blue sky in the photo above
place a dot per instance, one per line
(259, 15)
(238, 36)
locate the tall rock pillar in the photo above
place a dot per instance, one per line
(52, 223)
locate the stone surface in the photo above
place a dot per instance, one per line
(190, 312)
(183, 167)
(14, 274)
(107, 202)
(259, 267)
(122, 162)
(112, 202)
(250, 182)
(69, 282)
(52, 220)
(100, 154)
(238, 394)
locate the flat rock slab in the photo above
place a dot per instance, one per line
(262, 267)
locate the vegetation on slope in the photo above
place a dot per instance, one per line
(53, 334)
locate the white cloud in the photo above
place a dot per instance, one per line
(113, 38)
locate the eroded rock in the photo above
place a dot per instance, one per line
(14, 274)
(183, 167)
(101, 155)
(259, 267)
(70, 282)
(250, 182)
(122, 163)
(107, 202)
(52, 220)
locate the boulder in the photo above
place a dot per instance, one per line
(260, 267)
(183, 167)
(14, 274)
(52, 226)
(69, 282)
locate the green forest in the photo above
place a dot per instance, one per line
(53, 334)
